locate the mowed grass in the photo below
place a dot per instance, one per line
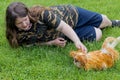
(50, 62)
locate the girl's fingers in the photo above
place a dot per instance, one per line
(84, 49)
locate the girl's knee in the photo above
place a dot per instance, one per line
(98, 33)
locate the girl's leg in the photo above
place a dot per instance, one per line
(89, 33)
(105, 22)
(98, 33)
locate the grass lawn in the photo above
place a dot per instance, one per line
(54, 63)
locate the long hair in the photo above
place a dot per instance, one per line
(35, 12)
(13, 11)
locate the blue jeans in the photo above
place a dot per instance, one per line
(87, 20)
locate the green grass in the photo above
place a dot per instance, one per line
(54, 63)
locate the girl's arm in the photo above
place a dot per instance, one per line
(51, 20)
(69, 32)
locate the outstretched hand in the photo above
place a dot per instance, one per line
(81, 46)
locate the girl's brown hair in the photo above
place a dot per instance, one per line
(15, 10)
(35, 12)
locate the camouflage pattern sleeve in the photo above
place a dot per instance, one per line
(50, 19)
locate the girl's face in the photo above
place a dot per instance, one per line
(23, 23)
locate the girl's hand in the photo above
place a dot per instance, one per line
(59, 42)
(81, 46)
